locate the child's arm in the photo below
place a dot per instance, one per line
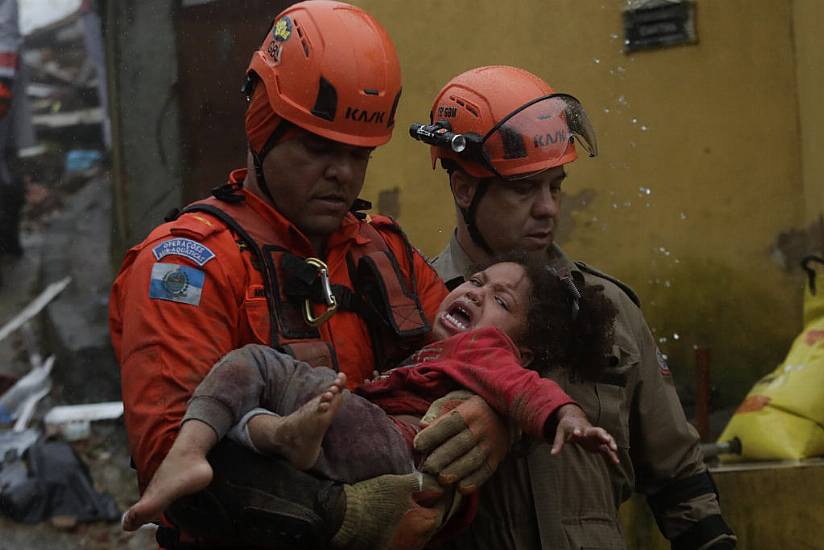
(485, 362)
(570, 423)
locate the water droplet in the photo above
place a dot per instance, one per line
(615, 205)
(667, 284)
(606, 109)
(643, 128)
(635, 121)
(622, 100)
(675, 336)
(614, 36)
(596, 60)
(662, 340)
(645, 190)
(683, 215)
(620, 69)
(665, 356)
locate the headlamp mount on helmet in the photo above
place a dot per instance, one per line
(533, 138)
(440, 135)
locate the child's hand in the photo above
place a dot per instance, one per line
(574, 426)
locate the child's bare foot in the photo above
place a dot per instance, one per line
(298, 436)
(184, 471)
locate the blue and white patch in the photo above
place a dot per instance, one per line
(663, 367)
(187, 248)
(176, 283)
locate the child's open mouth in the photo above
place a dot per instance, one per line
(457, 318)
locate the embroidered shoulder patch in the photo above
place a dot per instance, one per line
(187, 248)
(176, 283)
(663, 367)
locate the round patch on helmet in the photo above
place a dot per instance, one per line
(176, 283)
(282, 29)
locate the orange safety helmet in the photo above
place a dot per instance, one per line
(331, 69)
(512, 124)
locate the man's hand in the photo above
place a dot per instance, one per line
(574, 426)
(391, 511)
(465, 439)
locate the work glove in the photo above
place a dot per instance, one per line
(391, 512)
(465, 440)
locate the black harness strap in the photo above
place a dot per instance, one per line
(256, 252)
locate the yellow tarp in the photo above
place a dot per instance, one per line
(782, 418)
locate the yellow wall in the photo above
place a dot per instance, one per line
(808, 15)
(710, 130)
(767, 505)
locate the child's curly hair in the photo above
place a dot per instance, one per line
(565, 327)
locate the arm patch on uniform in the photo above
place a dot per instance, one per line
(663, 367)
(176, 283)
(187, 248)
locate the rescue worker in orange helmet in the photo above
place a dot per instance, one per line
(503, 135)
(282, 256)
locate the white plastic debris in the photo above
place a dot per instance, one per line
(18, 402)
(35, 306)
(73, 422)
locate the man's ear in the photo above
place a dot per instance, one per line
(526, 356)
(463, 188)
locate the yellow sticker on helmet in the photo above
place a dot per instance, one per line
(283, 29)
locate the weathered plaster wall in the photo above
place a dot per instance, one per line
(141, 58)
(700, 168)
(807, 18)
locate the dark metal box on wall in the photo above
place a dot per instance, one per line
(652, 24)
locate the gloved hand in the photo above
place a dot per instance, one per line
(384, 512)
(465, 439)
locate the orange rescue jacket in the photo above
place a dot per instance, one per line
(230, 272)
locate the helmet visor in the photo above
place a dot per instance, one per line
(537, 136)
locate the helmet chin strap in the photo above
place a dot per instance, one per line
(257, 158)
(469, 217)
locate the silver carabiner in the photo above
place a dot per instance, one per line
(331, 302)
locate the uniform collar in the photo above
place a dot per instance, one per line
(297, 241)
(453, 262)
(557, 259)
